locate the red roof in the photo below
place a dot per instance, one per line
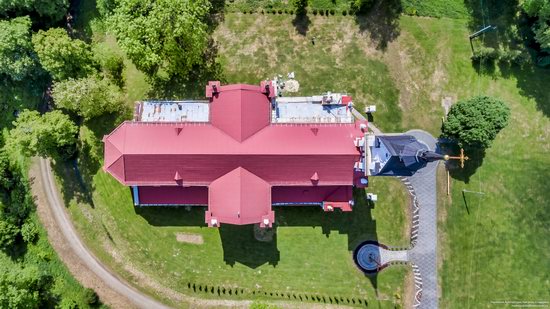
(240, 110)
(239, 197)
(239, 140)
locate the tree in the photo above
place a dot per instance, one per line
(476, 122)
(52, 134)
(162, 38)
(89, 97)
(17, 58)
(541, 10)
(53, 10)
(8, 232)
(26, 287)
(62, 56)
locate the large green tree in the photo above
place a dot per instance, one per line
(52, 134)
(27, 287)
(476, 122)
(17, 58)
(163, 38)
(53, 10)
(88, 97)
(62, 56)
(541, 10)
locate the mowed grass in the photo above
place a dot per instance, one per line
(256, 47)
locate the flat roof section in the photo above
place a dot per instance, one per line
(173, 111)
(310, 110)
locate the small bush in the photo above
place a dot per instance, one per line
(332, 12)
(314, 11)
(91, 297)
(484, 55)
(29, 232)
(344, 12)
(326, 12)
(286, 11)
(322, 13)
(291, 12)
(280, 11)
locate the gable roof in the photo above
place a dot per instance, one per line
(240, 110)
(239, 197)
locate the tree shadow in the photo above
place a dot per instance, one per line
(533, 83)
(381, 21)
(301, 24)
(72, 184)
(475, 155)
(240, 244)
(499, 13)
(216, 15)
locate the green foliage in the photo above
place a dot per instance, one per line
(91, 297)
(54, 10)
(541, 28)
(62, 56)
(26, 287)
(17, 59)
(29, 231)
(162, 38)
(485, 55)
(300, 6)
(105, 7)
(89, 97)
(111, 62)
(8, 233)
(435, 8)
(53, 134)
(476, 122)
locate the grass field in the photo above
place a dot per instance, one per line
(492, 248)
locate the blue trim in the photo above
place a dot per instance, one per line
(135, 193)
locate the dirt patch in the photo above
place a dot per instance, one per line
(408, 293)
(190, 238)
(77, 269)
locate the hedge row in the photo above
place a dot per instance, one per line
(291, 12)
(231, 291)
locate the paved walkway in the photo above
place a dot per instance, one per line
(423, 252)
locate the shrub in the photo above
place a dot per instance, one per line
(344, 13)
(91, 297)
(515, 57)
(326, 12)
(484, 55)
(280, 11)
(322, 13)
(476, 122)
(29, 231)
(314, 11)
(332, 12)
